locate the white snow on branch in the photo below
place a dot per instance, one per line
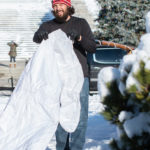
(137, 125)
(124, 115)
(105, 76)
(145, 43)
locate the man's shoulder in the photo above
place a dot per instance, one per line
(81, 22)
(74, 18)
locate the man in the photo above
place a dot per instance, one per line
(12, 53)
(78, 30)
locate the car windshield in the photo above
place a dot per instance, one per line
(111, 55)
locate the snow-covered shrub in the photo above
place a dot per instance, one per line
(122, 21)
(125, 93)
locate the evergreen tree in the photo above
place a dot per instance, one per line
(126, 98)
(122, 21)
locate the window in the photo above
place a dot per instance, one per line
(111, 55)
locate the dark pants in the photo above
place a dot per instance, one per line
(76, 139)
(12, 59)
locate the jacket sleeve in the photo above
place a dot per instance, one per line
(16, 45)
(87, 41)
(35, 37)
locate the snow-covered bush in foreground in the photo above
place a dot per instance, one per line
(125, 93)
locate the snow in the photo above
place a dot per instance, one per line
(140, 54)
(131, 81)
(122, 88)
(147, 66)
(144, 43)
(25, 6)
(127, 61)
(99, 131)
(137, 125)
(106, 75)
(93, 7)
(95, 105)
(124, 115)
(148, 22)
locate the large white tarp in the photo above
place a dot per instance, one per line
(46, 94)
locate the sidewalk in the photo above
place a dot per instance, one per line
(7, 73)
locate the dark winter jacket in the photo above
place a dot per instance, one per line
(12, 52)
(80, 27)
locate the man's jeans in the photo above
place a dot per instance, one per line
(77, 138)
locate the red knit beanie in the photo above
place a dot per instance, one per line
(66, 2)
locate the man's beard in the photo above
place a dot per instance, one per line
(62, 18)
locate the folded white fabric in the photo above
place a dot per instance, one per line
(47, 93)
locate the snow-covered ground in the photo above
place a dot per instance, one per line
(99, 131)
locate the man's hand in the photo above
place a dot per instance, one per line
(40, 35)
(74, 36)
